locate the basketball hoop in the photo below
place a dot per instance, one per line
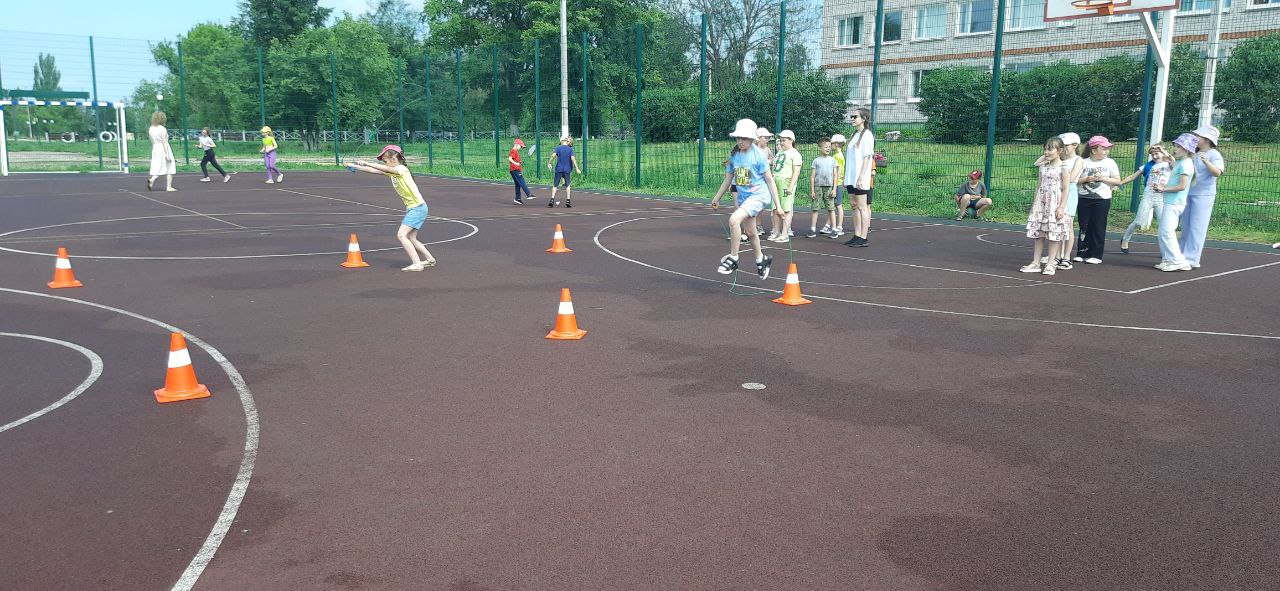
(1102, 7)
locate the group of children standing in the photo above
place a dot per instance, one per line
(1071, 187)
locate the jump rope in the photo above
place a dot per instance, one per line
(734, 288)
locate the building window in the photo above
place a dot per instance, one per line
(849, 31)
(1203, 5)
(975, 17)
(1026, 14)
(1022, 66)
(1256, 3)
(892, 26)
(888, 89)
(931, 21)
(857, 91)
(916, 77)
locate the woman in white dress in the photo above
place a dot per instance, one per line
(162, 160)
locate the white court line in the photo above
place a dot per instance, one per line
(981, 238)
(1163, 285)
(252, 429)
(109, 236)
(95, 370)
(184, 209)
(601, 246)
(342, 200)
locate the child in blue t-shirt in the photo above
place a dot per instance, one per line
(748, 169)
(563, 163)
(1175, 200)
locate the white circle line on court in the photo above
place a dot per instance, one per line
(601, 246)
(983, 238)
(473, 232)
(252, 429)
(95, 370)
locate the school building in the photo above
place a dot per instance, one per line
(920, 35)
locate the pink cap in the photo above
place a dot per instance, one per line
(975, 175)
(519, 142)
(1099, 140)
(390, 148)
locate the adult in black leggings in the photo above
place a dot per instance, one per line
(206, 143)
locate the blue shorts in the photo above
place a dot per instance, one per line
(561, 176)
(415, 217)
(753, 204)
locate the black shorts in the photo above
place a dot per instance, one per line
(854, 191)
(559, 176)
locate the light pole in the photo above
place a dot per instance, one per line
(564, 69)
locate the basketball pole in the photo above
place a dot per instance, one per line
(1211, 66)
(1164, 51)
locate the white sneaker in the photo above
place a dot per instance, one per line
(791, 233)
(772, 238)
(783, 239)
(1093, 261)
(1031, 268)
(171, 190)
(280, 178)
(1078, 259)
(1276, 245)
(1044, 260)
(1049, 270)
(205, 180)
(413, 267)
(226, 179)
(270, 182)
(826, 229)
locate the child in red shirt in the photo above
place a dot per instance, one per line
(517, 174)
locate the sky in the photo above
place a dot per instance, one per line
(121, 32)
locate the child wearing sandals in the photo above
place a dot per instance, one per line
(1157, 171)
(822, 181)
(1072, 164)
(1175, 200)
(749, 170)
(393, 167)
(1048, 219)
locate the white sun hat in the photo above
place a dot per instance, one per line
(838, 139)
(745, 128)
(1069, 138)
(787, 133)
(763, 132)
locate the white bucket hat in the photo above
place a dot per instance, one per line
(787, 133)
(838, 139)
(1208, 132)
(763, 132)
(745, 128)
(1069, 138)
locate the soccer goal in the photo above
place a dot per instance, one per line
(62, 136)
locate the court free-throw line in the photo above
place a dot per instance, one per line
(95, 370)
(186, 210)
(232, 505)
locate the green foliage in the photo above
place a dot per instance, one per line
(1186, 79)
(1249, 89)
(670, 114)
(813, 105)
(955, 100)
(301, 87)
(265, 21)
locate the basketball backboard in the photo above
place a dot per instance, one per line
(1059, 10)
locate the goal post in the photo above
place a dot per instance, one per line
(8, 108)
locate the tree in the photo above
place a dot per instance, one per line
(45, 75)
(1249, 90)
(221, 78)
(956, 101)
(1186, 79)
(264, 21)
(738, 29)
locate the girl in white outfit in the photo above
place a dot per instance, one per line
(162, 161)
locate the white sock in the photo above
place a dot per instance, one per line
(760, 259)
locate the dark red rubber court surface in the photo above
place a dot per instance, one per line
(934, 420)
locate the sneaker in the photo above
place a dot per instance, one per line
(834, 235)
(430, 263)
(517, 202)
(150, 182)
(744, 238)
(1195, 265)
(1049, 270)
(853, 241)
(171, 190)
(1044, 260)
(1276, 245)
(205, 180)
(1124, 246)
(813, 233)
(280, 178)
(530, 197)
(864, 243)
(827, 230)
(728, 265)
(783, 239)
(551, 203)
(226, 179)
(413, 267)
(1171, 268)
(1064, 264)
(772, 238)
(1078, 259)
(567, 204)
(791, 233)
(1093, 261)
(838, 231)
(1031, 268)
(1161, 265)
(762, 267)
(270, 182)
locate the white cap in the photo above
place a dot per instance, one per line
(787, 133)
(763, 132)
(745, 128)
(838, 139)
(1069, 138)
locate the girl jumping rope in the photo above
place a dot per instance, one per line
(749, 170)
(393, 167)
(269, 156)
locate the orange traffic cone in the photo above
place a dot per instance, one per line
(354, 260)
(566, 323)
(791, 293)
(63, 276)
(557, 242)
(180, 380)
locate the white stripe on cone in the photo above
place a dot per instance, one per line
(793, 278)
(62, 263)
(566, 308)
(559, 236)
(179, 358)
(353, 247)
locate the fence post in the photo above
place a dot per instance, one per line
(333, 85)
(782, 40)
(585, 103)
(400, 99)
(875, 67)
(426, 74)
(97, 117)
(702, 98)
(262, 93)
(182, 105)
(639, 95)
(994, 104)
(462, 142)
(537, 103)
(497, 149)
(1144, 116)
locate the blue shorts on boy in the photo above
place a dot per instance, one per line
(748, 169)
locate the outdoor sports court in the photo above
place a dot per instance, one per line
(933, 420)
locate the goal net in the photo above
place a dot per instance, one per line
(62, 136)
